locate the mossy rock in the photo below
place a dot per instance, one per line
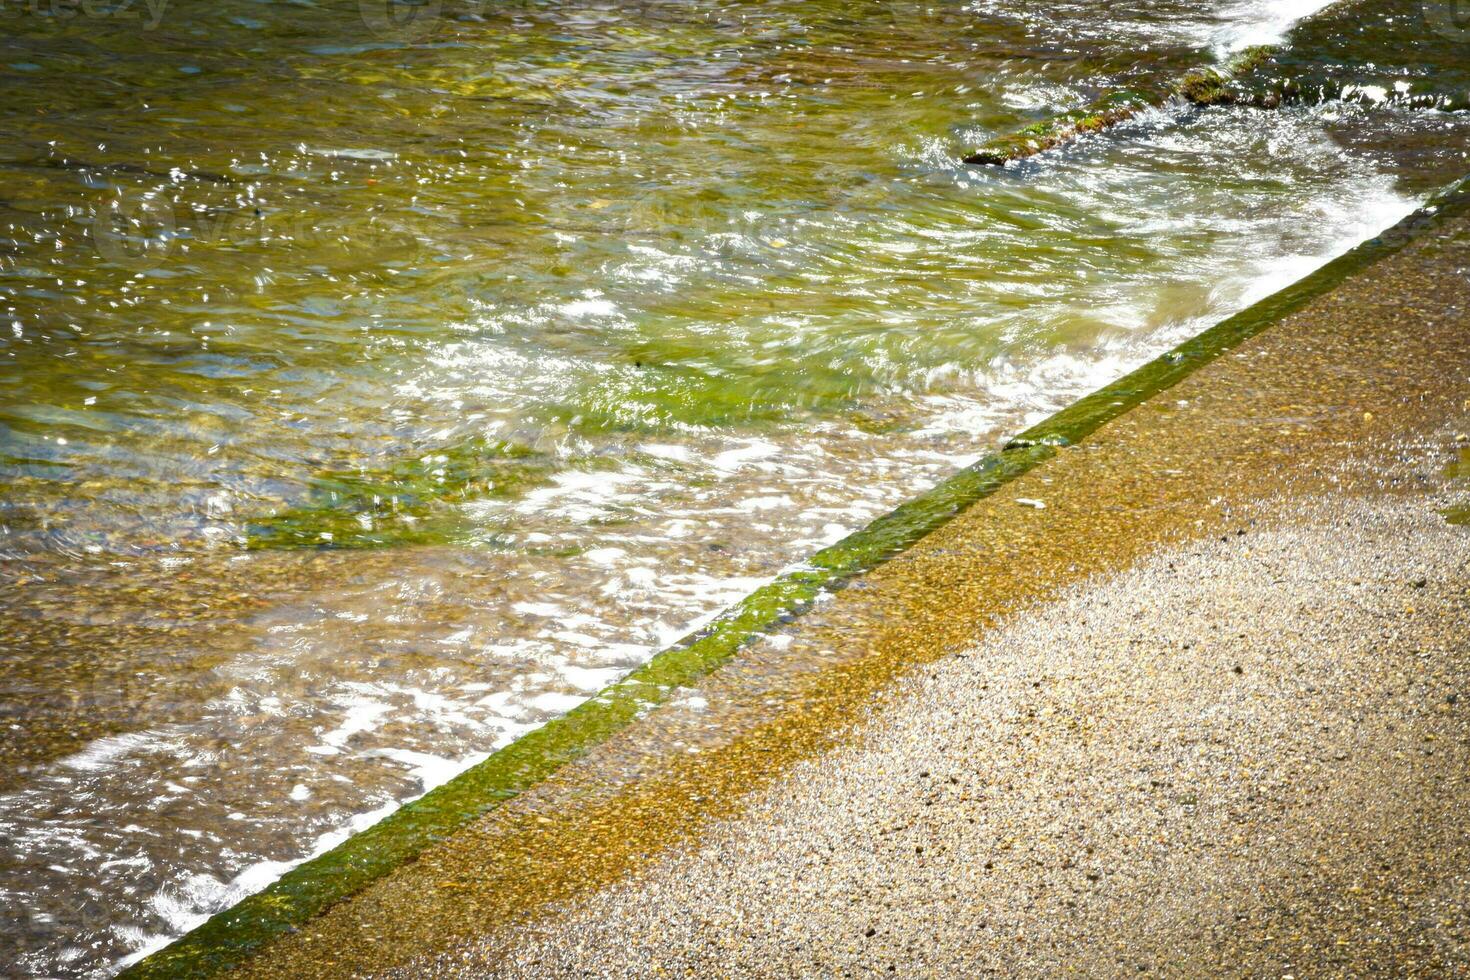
(1111, 109)
(1203, 86)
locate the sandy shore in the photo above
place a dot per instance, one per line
(1204, 709)
(1245, 755)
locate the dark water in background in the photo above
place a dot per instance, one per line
(373, 390)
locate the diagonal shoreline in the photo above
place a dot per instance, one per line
(422, 827)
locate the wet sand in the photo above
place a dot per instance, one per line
(1252, 759)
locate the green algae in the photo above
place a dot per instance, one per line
(1111, 109)
(1252, 58)
(408, 501)
(1456, 471)
(1460, 468)
(1211, 87)
(1205, 87)
(230, 937)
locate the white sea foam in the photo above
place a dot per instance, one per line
(1257, 22)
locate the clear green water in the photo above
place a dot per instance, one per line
(369, 394)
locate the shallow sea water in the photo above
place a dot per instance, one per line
(375, 388)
